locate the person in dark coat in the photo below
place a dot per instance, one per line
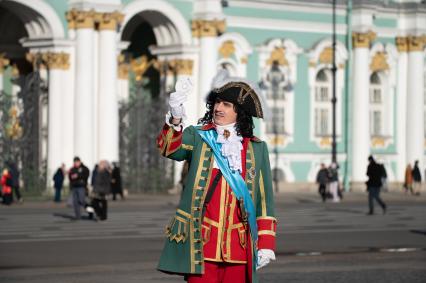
(322, 180)
(78, 175)
(101, 188)
(374, 183)
(14, 173)
(116, 184)
(58, 180)
(417, 178)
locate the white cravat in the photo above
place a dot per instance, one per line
(231, 146)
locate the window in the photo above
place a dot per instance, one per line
(376, 106)
(322, 108)
(276, 120)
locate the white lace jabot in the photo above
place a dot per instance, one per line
(231, 145)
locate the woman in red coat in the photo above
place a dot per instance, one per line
(6, 189)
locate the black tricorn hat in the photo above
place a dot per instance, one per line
(239, 93)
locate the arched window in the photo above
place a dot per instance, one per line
(377, 106)
(322, 103)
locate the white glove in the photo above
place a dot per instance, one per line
(183, 87)
(264, 257)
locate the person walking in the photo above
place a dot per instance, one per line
(6, 187)
(408, 180)
(333, 177)
(374, 183)
(417, 178)
(14, 174)
(219, 232)
(116, 184)
(101, 188)
(78, 176)
(322, 180)
(58, 182)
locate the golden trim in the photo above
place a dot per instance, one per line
(416, 43)
(207, 28)
(227, 49)
(211, 221)
(220, 228)
(187, 147)
(401, 43)
(194, 194)
(51, 60)
(236, 226)
(184, 213)
(109, 21)
(266, 232)
(262, 194)
(220, 260)
(266, 218)
(230, 222)
(379, 62)
(278, 55)
(363, 40)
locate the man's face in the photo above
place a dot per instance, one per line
(77, 163)
(224, 113)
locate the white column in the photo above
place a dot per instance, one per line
(415, 88)
(360, 104)
(55, 127)
(401, 104)
(84, 91)
(108, 124)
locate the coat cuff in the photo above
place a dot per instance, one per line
(169, 140)
(267, 228)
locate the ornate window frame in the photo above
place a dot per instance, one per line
(383, 60)
(233, 53)
(320, 58)
(285, 51)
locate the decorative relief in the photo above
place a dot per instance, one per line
(401, 43)
(326, 56)
(140, 65)
(278, 140)
(379, 62)
(181, 66)
(4, 62)
(325, 142)
(204, 28)
(87, 19)
(109, 21)
(227, 49)
(416, 43)
(363, 40)
(378, 142)
(278, 55)
(52, 60)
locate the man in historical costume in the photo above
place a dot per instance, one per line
(224, 228)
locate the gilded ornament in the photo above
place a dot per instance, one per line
(401, 43)
(326, 56)
(363, 40)
(227, 49)
(140, 65)
(378, 142)
(325, 142)
(379, 62)
(416, 43)
(123, 68)
(109, 21)
(278, 55)
(205, 28)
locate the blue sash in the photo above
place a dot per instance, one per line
(235, 181)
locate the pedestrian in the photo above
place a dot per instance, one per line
(58, 182)
(417, 178)
(14, 173)
(408, 181)
(78, 176)
(219, 233)
(94, 173)
(384, 178)
(333, 177)
(116, 184)
(322, 180)
(374, 183)
(101, 188)
(6, 187)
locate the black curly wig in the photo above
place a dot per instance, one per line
(244, 124)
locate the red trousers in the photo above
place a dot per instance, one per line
(221, 272)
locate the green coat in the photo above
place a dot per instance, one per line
(183, 250)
